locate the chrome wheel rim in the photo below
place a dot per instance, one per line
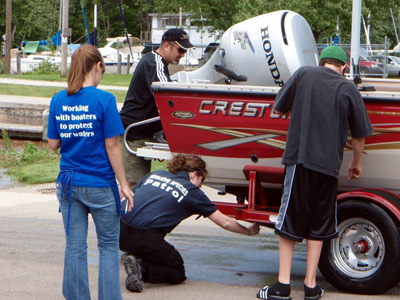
(359, 250)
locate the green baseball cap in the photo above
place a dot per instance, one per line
(334, 52)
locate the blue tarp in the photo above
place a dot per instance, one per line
(56, 39)
(73, 47)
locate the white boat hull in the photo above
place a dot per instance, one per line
(31, 62)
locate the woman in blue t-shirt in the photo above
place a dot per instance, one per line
(85, 125)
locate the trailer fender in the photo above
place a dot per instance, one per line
(381, 197)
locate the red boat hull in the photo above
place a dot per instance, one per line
(231, 126)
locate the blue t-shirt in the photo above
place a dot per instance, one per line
(162, 200)
(82, 122)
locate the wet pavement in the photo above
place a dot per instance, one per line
(6, 181)
(219, 264)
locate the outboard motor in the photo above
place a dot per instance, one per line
(265, 50)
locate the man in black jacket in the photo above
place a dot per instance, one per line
(139, 102)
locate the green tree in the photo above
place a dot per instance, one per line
(36, 22)
(217, 14)
(322, 16)
(381, 21)
(33, 21)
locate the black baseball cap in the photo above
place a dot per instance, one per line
(179, 36)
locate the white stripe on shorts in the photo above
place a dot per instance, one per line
(287, 191)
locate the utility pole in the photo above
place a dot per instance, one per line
(180, 17)
(94, 42)
(355, 42)
(66, 32)
(60, 24)
(8, 36)
(394, 26)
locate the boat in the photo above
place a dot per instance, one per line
(223, 113)
(35, 53)
(31, 56)
(129, 55)
(234, 126)
(29, 63)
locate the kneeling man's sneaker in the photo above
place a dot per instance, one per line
(133, 268)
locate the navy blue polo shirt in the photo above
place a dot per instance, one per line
(162, 200)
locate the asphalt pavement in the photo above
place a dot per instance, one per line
(219, 264)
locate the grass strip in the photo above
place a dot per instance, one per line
(45, 91)
(35, 165)
(108, 79)
(35, 173)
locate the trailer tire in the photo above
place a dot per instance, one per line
(365, 258)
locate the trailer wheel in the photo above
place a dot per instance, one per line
(365, 258)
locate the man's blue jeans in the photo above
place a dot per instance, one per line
(100, 203)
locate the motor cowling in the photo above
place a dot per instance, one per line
(266, 50)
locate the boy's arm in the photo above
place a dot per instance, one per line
(354, 170)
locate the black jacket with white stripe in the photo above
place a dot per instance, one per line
(139, 101)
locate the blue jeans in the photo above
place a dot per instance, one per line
(100, 203)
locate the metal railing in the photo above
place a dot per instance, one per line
(135, 125)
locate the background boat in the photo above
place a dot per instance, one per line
(118, 46)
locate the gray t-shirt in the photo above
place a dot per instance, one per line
(324, 107)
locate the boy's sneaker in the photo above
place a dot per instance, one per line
(133, 268)
(314, 293)
(277, 291)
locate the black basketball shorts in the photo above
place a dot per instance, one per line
(308, 206)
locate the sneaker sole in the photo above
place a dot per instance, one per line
(133, 285)
(313, 298)
(273, 297)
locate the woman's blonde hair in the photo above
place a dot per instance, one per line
(82, 61)
(188, 163)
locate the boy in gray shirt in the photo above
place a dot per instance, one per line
(324, 106)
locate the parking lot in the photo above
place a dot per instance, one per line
(219, 264)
